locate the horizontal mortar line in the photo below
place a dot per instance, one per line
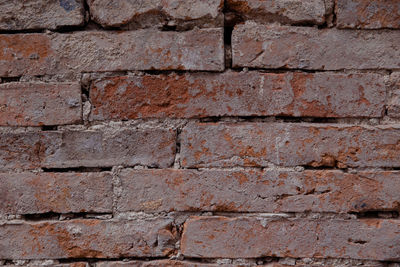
(289, 70)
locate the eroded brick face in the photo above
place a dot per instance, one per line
(200, 133)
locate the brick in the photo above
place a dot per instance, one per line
(161, 263)
(283, 11)
(367, 14)
(38, 14)
(93, 148)
(257, 191)
(29, 193)
(289, 144)
(393, 108)
(272, 46)
(87, 239)
(96, 51)
(37, 104)
(238, 94)
(180, 14)
(223, 237)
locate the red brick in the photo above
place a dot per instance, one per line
(95, 51)
(289, 144)
(29, 193)
(36, 104)
(87, 239)
(368, 14)
(38, 14)
(56, 149)
(257, 191)
(238, 94)
(181, 14)
(283, 11)
(272, 46)
(223, 237)
(161, 263)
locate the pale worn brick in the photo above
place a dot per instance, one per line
(39, 14)
(93, 148)
(215, 237)
(238, 94)
(29, 193)
(257, 191)
(290, 144)
(272, 46)
(283, 11)
(181, 14)
(87, 239)
(393, 108)
(368, 14)
(38, 54)
(37, 104)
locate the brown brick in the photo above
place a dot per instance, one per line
(181, 14)
(87, 239)
(38, 14)
(290, 144)
(283, 11)
(368, 14)
(238, 94)
(29, 193)
(36, 104)
(161, 263)
(257, 191)
(150, 147)
(38, 54)
(272, 46)
(222, 237)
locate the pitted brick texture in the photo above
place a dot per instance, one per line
(238, 94)
(246, 237)
(200, 133)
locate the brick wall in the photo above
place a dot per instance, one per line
(200, 133)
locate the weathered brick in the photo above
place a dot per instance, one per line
(238, 94)
(367, 14)
(38, 14)
(151, 147)
(29, 193)
(161, 263)
(38, 54)
(283, 11)
(181, 14)
(393, 109)
(36, 104)
(289, 144)
(257, 191)
(215, 237)
(272, 46)
(87, 239)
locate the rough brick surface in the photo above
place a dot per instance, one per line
(38, 54)
(258, 144)
(161, 263)
(263, 46)
(181, 14)
(257, 191)
(87, 239)
(29, 193)
(38, 14)
(36, 104)
(238, 94)
(284, 11)
(367, 14)
(260, 237)
(54, 149)
(393, 108)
